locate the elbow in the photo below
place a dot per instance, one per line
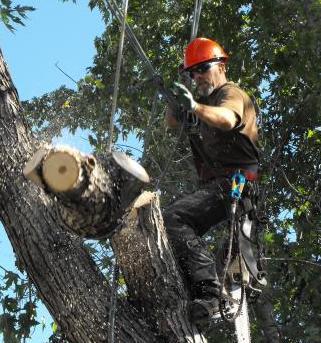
(232, 122)
(227, 126)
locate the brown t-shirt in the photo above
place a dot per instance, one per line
(234, 148)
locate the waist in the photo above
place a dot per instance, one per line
(207, 174)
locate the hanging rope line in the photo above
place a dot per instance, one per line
(116, 12)
(117, 75)
(196, 18)
(111, 5)
(113, 298)
(113, 304)
(194, 30)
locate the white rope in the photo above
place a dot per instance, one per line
(117, 75)
(196, 18)
(113, 303)
(131, 35)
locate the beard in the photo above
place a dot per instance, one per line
(204, 88)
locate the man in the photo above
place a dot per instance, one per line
(225, 144)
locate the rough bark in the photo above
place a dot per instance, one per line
(75, 292)
(154, 283)
(97, 195)
(264, 312)
(72, 288)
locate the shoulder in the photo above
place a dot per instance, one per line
(231, 88)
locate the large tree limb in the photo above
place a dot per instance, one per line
(70, 285)
(41, 229)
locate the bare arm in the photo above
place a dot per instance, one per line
(217, 116)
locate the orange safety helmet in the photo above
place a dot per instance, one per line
(202, 50)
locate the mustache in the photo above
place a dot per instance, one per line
(204, 89)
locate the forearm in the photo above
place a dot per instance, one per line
(220, 117)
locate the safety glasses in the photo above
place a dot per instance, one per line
(202, 68)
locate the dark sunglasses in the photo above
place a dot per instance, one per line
(201, 68)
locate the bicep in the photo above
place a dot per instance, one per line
(233, 100)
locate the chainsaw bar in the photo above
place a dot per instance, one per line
(242, 322)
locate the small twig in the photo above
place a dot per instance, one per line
(288, 182)
(129, 146)
(69, 77)
(183, 158)
(4, 269)
(292, 260)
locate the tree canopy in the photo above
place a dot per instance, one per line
(275, 54)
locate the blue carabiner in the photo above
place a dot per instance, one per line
(238, 183)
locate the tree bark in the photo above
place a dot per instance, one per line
(264, 312)
(69, 283)
(155, 286)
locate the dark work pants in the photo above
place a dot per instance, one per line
(188, 219)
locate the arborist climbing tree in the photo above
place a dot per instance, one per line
(225, 143)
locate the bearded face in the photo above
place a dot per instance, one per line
(207, 82)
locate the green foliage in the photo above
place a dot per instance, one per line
(19, 307)
(11, 15)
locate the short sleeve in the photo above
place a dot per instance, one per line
(232, 98)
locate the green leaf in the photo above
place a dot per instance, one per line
(54, 327)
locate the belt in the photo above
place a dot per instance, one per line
(207, 174)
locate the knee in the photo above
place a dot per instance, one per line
(171, 218)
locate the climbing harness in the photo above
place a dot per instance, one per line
(240, 264)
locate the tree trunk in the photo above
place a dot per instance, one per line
(154, 283)
(264, 312)
(40, 225)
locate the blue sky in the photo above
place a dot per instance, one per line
(60, 33)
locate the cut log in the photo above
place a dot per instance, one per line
(92, 194)
(61, 171)
(32, 167)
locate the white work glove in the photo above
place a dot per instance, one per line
(184, 97)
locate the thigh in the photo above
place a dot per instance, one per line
(201, 209)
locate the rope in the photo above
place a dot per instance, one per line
(232, 232)
(113, 299)
(113, 304)
(130, 35)
(228, 258)
(196, 18)
(117, 75)
(140, 52)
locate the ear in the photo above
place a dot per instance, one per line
(222, 67)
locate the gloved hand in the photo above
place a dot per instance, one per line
(184, 97)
